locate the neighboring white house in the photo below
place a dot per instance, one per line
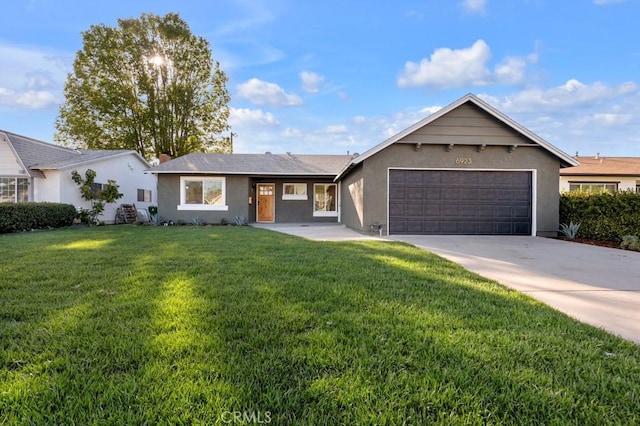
(597, 174)
(32, 170)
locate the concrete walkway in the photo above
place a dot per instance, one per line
(596, 285)
(317, 231)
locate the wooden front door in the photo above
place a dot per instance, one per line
(266, 202)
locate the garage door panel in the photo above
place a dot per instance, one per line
(459, 202)
(521, 212)
(413, 193)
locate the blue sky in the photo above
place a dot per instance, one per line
(336, 76)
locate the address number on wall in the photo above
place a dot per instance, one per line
(464, 160)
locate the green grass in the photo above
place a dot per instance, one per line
(196, 325)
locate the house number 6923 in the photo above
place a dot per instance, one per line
(463, 160)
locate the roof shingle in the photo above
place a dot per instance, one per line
(603, 166)
(255, 164)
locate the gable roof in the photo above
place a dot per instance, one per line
(470, 98)
(34, 155)
(255, 164)
(604, 166)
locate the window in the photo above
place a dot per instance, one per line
(144, 195)
(202, 193)
(14, 190)
(324, 200)
(294, 191)
(594, 187)
(97, 188)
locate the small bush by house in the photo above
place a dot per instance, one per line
(604, 216)
(15, 217)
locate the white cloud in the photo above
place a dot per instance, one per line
(336, 129)
(612, 119)
(511, 70)
(31, 78)
(263, 93)
(601, 2)
(31, 99)
(311, 81)
(572, 94)
(449, 68)
(476, 7)
(251, 117)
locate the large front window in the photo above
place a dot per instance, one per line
(325, 202)
(14, 190)
(202, 193)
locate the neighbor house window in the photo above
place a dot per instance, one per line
(325, 202)
(14, 190)
(202, 193)
(144, 195)
(294, 191)
(594, 187)
(97, 188)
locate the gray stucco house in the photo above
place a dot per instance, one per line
(466, 169)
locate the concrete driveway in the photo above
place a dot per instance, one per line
(596, 285)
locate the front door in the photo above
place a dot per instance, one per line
(266, 202)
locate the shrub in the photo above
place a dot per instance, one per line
(15, 217)
(630, 242)
(604, 216)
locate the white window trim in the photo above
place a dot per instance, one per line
(323, 213)
(304, 196)
(202, 207)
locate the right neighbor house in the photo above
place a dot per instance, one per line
(467, 169)
(598, 174)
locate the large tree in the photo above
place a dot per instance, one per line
(148, 84)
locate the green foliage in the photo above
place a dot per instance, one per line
(108, 194)
(570, 231)
(178, 325)
(15, 217)
(148, 85)
(603, 216)
(630, 242)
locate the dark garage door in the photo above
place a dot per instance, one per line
(445, 202)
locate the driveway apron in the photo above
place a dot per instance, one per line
(596, 285)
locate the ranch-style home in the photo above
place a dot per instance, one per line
(600, 174)
(466, 169)
(37, 171)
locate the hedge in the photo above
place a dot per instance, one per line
(603, 216)
(15, 217)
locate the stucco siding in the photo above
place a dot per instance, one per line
(545, 165)
(127, 171)
(237, 200)
(295, 211)
(352, 196)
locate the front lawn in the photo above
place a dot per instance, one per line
(183, 325)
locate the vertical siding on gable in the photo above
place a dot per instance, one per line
(8, 161)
